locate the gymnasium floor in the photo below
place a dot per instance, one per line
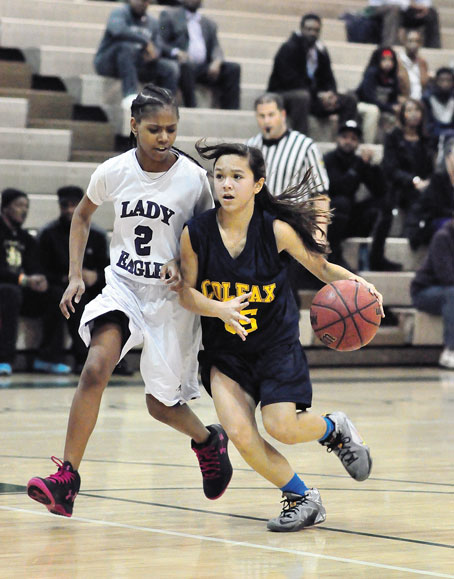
(141, 511)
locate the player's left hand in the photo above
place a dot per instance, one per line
(171, 276)
(373, 290)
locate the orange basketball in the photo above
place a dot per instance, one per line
(345, 315)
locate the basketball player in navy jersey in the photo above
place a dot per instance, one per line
(234, 265)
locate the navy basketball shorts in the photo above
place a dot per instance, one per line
(277, 374)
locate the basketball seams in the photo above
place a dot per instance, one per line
(350, 314)
(342, 308)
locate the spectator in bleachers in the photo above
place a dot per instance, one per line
(380, 87)
(393, 14)
(439, 101)
(54, 254)
(24, 289)
(288, 155)
(191, 39)
(302, 73)
(437, 202)
(408, 160)
(353, 215)
(413, 69)
(432, 288)
(131, 50)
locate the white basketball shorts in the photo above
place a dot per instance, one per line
(171, 336)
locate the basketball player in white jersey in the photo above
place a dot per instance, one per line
(155, 189)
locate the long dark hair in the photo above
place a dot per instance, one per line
(422, 132)
(295, 205)
(375, 57)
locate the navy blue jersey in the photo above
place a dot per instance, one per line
(272, 310)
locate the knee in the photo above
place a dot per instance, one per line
(170, 67)
(93, 376)
(232, 70)
(241, 436)
(280, 428)
(11, 294)
(449, 295)
(157, 409)
(128, 48)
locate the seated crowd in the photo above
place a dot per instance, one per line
(33, 276)
(399, 103)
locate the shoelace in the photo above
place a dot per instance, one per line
(209, 461)
(291, 506)
(62, 475)
(341, 446)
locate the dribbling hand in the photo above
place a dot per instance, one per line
(230, 313)
(75, 289)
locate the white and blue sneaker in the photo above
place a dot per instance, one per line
(51, 367)
(299, 511)
(347, 444)
(5, 369)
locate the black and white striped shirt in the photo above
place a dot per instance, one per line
(288, 159)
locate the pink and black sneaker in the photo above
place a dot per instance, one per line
(214, 462)
(57, 491)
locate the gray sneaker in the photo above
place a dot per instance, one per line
(346, 443)
(299, 511)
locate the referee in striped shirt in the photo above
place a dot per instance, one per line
(288, 155)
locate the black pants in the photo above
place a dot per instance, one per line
(346, 108)
(351, 220)
(429, 23)
(17, 301)
(297, 104)
(124, 61)
(227, 85)
(54, 318)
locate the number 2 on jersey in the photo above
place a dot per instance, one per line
(144, 236)
(252, 322)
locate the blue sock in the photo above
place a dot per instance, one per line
(295, 485)
(329, 428)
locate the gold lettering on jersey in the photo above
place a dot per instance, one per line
(222, 291)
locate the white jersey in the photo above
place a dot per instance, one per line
(150, 211)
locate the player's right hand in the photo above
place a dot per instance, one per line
(230, 314)
(75, 289)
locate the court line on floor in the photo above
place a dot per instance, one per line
(244, 544)
(239, 469)
(247, 517)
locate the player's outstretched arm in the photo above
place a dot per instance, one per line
(191, 299)
(80, 228)
(288, 240)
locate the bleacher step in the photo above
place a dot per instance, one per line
(15, 74)
(38, 144)
(90, 156)
(13, 112)
(91, 135)
(43, 104)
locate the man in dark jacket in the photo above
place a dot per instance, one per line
(192, 40)
(24, 289)
(131, 51)
(353, 216)
(54, 253)
(302, 73)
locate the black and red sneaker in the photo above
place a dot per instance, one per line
(57, 491)
(214, 462)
